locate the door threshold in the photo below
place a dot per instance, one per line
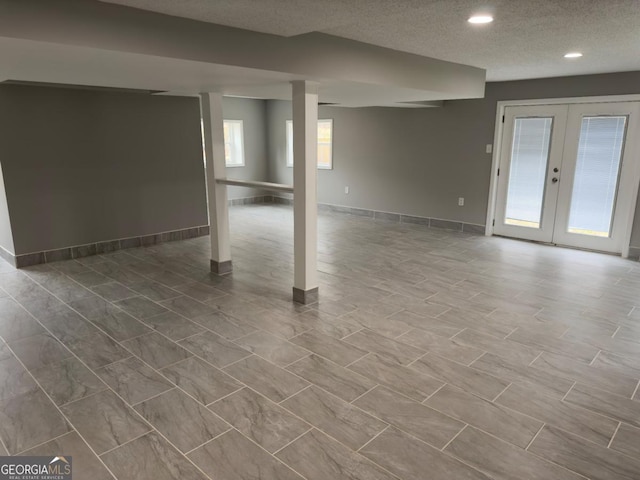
(550, 244)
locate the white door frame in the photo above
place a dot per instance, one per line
(497, 154)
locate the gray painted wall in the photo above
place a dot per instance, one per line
(6, 236)
(253, 115)
(418, 162)
(85, 166)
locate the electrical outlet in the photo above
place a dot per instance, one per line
(346, 190)
(461, 201)
(489, 148)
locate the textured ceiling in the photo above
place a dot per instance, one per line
(527, 39)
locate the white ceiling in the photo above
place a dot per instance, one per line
(527, 39)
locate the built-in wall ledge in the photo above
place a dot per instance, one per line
(274, 187)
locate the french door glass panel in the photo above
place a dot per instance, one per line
(528, 172)
(595, 182)
(532, 141)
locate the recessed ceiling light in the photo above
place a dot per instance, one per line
(572, 55)
(481, 19)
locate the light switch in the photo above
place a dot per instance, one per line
(489, 148)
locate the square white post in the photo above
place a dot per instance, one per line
(213, 126)
(305, 191)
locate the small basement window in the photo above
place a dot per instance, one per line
(325, 144)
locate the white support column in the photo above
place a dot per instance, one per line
(305, 196)
(213, 123)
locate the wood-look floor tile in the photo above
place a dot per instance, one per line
(40, 350)
(216, 350)
(133, 380)
(335, 417)
(610, 362)
(272, 348)
(200, 291)
(409, 458)
(334, 307)
(606, 403)
(547, 343)
(509, 305)
(187, 306)
(479, 320)
(273, 322)
(151, 457)
(266, 378)
(168, 278)
(182, 420)
(153, 290)
(384, 346)
(397, 377)
(85, 463)
(257, 417)
(97, 350)
(504, 423)
(37, 301)
(445, 347)
(391, 327)
(435, 326)
(14, 378)
(338, 327)
(141, 307)
(174, 326)
(466, 378)
(584, 457)
(89, 305)
(552, 384)
(319, 457)
(586, 374)
(156, 350)
(419, 420)
(627, 440)
(338, 380)
(234, 457)
(113, 291)
(104, 421)
(67, 325)
(482, 290)
(202, 381)
(89, 279)
(511, 351)
(329, 347)
(577, 420)
(503, 461)
(16, 322)
(118, 324)
(224, 325)
(68, 380)
(29, 419)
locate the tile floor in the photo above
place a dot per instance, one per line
(431, 355)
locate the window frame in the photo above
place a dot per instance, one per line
(289, 144)
(238, 144)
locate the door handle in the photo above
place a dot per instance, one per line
(555, 170)
(554, 180)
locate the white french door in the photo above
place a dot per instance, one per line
(566, 174)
